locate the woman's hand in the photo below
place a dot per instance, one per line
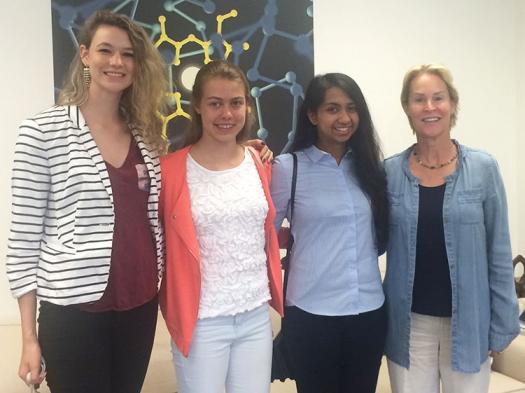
(264, 151)
(30, 370)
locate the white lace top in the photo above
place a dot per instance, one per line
(229, 209)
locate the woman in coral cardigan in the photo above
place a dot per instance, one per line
(222, 263)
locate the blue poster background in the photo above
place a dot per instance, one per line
(272, 41)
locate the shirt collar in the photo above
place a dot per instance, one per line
(315, 154)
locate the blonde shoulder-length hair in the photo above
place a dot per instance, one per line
(141, 102)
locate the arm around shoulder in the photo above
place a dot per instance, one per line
(281, 186)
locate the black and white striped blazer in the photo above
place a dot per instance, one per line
(62, 210)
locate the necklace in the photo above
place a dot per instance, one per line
(438, 166)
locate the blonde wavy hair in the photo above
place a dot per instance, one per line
(141, 102)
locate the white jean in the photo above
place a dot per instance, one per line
(232, 352)
(430, 362)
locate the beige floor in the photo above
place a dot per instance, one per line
(160, 377)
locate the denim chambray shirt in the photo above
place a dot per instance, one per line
(484, 302)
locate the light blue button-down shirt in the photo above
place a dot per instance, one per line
(333, 267)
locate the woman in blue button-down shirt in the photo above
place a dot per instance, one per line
(449, 281)
(334, 315)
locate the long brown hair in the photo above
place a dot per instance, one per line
(225, 70)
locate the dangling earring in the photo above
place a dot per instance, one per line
(86, 75)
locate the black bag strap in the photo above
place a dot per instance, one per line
(286, 264)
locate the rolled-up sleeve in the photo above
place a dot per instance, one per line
(504, 322)
(30, 186)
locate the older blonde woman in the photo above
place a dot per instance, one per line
(449, 281)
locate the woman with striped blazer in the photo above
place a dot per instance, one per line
(85, 238)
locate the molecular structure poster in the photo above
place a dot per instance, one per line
(271, 40)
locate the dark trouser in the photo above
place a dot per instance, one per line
(102, 352)
(339, 354)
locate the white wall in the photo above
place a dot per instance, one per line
(26, 81)
(482, 41)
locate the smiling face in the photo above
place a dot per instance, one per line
(429, 107)
(336, 120)
(110, 59)
(222, 109)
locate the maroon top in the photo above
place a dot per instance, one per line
(133, 274)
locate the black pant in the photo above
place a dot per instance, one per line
(339, 354)
(102, 352)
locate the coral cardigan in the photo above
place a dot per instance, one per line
(181, 285)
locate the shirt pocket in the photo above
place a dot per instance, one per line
(396, 209)
(470, 203)
(55, 248)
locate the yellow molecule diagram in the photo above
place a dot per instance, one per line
(176, 96)
(178, 45)
(228, 46)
